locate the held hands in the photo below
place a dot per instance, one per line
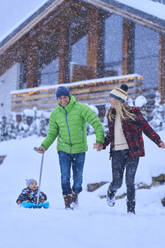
(162, 144)
(98, 146)
(40, 149)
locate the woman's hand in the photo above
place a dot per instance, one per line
(162, 144)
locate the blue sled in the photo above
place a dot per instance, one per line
(34, 205)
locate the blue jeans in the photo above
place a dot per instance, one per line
(76, 162)
(120, 162)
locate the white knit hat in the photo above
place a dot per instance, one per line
(120, 93)
(29, 181)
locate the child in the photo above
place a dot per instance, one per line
(28, 196)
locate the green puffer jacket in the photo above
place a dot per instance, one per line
(69, 124)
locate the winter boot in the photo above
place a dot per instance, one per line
(131, 207)
(68, 201)
(74, 200)
(111, 198)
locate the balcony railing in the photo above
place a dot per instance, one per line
(94, 91)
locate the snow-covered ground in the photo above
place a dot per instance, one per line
(94, 224)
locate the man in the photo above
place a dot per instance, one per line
(68, 123)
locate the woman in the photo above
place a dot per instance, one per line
(126, 125)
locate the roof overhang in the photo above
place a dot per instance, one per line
(26, 26)
(131, 13)
(112, 6)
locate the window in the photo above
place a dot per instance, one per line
(22, 77)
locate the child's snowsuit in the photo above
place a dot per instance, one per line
(29, 195)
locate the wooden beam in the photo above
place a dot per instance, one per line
(161, 84)
(128, 47)
(32, 66)
(64, 53)
(95, 50)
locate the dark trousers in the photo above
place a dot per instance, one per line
(76, 162)
(120, 161)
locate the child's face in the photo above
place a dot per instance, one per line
(33, 186)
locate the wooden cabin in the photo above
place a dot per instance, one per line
(48, 37)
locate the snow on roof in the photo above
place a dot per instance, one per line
(24, 12)
(22, 17)
(152, 8)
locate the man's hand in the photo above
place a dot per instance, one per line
(98, 146)
(40, 149)
(162, 144)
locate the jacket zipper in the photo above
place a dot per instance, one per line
(68, 132)
(82, 131)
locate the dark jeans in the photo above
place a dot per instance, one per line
(76, 162)
(120, 161)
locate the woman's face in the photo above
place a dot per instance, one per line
(113, 102)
